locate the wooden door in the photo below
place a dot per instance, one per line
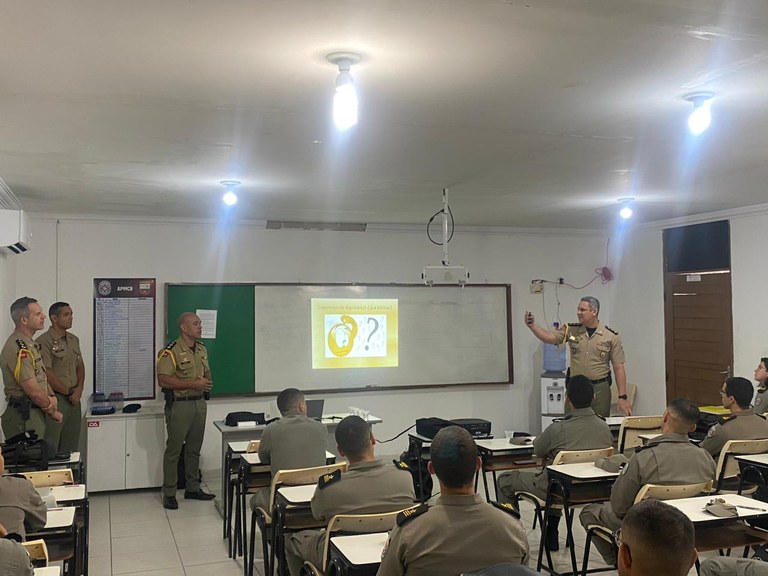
(699, 334)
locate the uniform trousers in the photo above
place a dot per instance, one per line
(66, 435)
(603, 515)
(730, 566)
(13, 423)
(185, 423)
(522, 481)
(306, 545)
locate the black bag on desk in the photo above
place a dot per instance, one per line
(703, 424)
(234, 417)
(422, 483)
(26, 450)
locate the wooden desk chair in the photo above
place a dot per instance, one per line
(647, 492)
(38, 552)
(727, 471)
(46, 478)
(263, 518)
(349, 524)
(562, 457)
(632, 427)
(253, 446)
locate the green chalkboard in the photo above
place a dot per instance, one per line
(231, 353)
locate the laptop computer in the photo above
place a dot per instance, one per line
(315, 409)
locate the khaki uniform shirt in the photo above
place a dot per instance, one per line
(294, 441)
(458, 534)
(582, 429)
(667, 459)
(591, 356)
(179, 360)
(61, 356)
(365, 488)
(19, 363)
(21, 507)
(761, 401)
(744, 425)
(14, 560)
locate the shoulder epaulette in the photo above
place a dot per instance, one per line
(170, 345)
(200, 342)
(22, 344)
(563, 418)
(574, 324)
(508, 508)
(410, 514)
(327, 479)
(600, 416)
(760, 415)
(17, 476)
(611, 330)
(400, 465)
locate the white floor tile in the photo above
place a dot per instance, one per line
(211, 554)
(143, 542)
(124, 515)
(99, 565)
(154, 527)
(228, 568)
(133, 499)
(148, 560)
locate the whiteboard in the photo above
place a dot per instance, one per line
(446, 335)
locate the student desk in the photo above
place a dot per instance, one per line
(47, 571)
(59, 528)
(754, 464)
(237, 435)
(581, 483)
(73, 495)
(356, 555)
(715, 533)
(498, 454)
(614, 425)
(292, 512)
(74, 462)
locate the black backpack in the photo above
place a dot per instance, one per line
(25, 450)
(422, 483)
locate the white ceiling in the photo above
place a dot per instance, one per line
(534, 113)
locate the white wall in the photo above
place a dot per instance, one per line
(7, 295)
(197, 252)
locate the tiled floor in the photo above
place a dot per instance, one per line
(131, 533)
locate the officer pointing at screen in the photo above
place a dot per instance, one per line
(595, 348)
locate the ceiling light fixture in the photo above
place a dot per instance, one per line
(345, 99)
(230, 198)
(701, 117)
(626, 207)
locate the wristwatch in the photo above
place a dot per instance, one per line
(622, 396)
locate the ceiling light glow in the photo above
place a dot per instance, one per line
(701, 117)
(626, 208)
(345, 99)
(230, 198)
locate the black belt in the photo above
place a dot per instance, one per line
(606, 379)
(186, 398)
(14, 401)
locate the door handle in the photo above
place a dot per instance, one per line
(727, 372)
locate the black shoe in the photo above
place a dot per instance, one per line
(552, 541)
(170, 503)
(198, 495)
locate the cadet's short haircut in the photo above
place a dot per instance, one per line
(741, 389)
(289, 399)
(661, 534)
(684, 410)
(182, 318)
(454, 456)
(594, 303)
(20, 308)
(580, 391)
(54, 309)
(353, 436)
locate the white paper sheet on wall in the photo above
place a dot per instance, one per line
(208, 318)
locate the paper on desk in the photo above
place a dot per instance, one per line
(249, 424)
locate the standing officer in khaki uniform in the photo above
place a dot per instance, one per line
(30, 401)
(460, 532)
(185, 377)
(582, 429)
(743, 423)
(667, 459)
(294, 441)
(594, 349)
(369, 486)
(66, 375)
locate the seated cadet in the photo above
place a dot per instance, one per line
(14, 560)
(369, 486)
(294, 441)
(656, 539)
(743, 424)
(582, 429)
(21, 507)
(732, 566)
(667, 459)
(460, 532)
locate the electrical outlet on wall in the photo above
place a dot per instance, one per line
(537, 287)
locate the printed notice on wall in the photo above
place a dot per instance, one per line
(208, 320)
(124, 338)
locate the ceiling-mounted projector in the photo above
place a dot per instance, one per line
(445, 275)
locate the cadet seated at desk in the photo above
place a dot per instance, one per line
(14, 560)
(582, 429)
(743, 424)
(21, 508)
(460, 532)
(656, 539)
(667, 459)
(369, 486)
(294, 441)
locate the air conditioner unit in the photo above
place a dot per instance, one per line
(15, 234)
